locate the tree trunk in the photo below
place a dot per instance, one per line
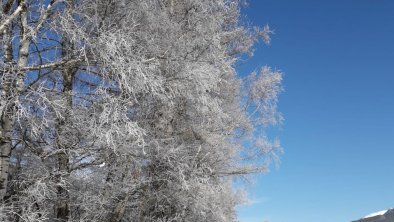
(119, 210)
(5, 151)
(62, 206)
(6, 106)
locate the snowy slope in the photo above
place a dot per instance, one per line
(376, 214)
(380, 216)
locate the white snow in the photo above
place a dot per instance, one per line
(376, 214)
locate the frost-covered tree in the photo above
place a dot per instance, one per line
(129, 110)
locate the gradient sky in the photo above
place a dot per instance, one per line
(338, 104)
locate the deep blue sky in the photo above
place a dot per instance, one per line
(338, 104)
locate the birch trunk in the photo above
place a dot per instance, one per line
(5, 151)
(6, 103)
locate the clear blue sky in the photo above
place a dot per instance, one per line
(338, 104)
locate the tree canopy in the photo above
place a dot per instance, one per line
(129, 110)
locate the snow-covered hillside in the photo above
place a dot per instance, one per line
(380, 216)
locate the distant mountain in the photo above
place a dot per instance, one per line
(381, 216)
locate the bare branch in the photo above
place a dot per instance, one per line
(18, 10)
